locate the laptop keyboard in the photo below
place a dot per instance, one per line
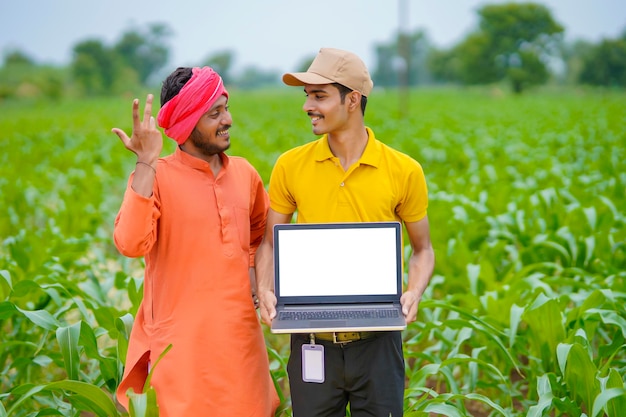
(339, 314)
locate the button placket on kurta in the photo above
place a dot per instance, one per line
(226, 220)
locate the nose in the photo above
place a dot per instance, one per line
(227, 118)
(308, 105)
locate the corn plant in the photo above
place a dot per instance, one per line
(524, 315)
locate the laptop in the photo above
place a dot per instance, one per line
(338, 277)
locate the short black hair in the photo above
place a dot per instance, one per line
(343, 91)
(174, 83)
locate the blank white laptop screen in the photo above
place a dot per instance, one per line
(337, 261)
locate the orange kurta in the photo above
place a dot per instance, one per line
(198, 234)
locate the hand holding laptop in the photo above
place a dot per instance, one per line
(267, 306)
(409, 302)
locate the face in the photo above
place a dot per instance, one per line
(210, 136)
(323, 105)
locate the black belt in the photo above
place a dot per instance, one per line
(344, 337)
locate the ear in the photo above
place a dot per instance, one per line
(354, 100)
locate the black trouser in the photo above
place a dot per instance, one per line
(368, 374)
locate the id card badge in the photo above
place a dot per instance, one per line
(313, 363)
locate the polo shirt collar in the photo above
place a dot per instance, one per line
(371, 155)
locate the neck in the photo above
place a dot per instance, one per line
(214, 160)
(348, 145)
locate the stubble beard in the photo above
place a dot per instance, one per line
(207, 148)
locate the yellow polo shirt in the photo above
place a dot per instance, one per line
(383, 185)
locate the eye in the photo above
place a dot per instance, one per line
(218, 112)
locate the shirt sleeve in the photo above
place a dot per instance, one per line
(281, 199)
(414, 203)
(135, 229)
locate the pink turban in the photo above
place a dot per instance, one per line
(181, 113)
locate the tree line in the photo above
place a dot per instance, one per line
(519, 44)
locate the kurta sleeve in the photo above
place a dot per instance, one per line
(259, 205)
(135, 228)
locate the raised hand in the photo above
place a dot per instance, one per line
(146, 140)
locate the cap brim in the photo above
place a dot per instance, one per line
(302, 78)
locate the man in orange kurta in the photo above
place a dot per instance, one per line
(197, 216)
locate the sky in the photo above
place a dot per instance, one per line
(275, 35)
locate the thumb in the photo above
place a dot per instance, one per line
(122, 135)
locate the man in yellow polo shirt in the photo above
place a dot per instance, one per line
(347, 175)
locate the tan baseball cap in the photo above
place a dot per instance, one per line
(334, 66)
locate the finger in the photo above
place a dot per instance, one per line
(408, 304)
(147, 112)
(136, 122)
(412, 316)
(267, 313)
(264, 316)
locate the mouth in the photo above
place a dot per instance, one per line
(222, 133)
(315, 118)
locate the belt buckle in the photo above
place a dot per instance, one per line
(341, 342)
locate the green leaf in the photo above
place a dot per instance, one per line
(25, 288)
(7, 309)
(592, 217)
(514, 319)
(144, 404)
(611, 317)
(41, 318)
(68, 342)
(580, 375)
(450, 364)
(611, 395)
(617, 404)
(546, 324)
(5, 284)
(154, 365)
(486, 400)
(477, 323)
(473, 272)
(443, 409)
(98, 401)
(614, 380)
(562, 352)
(545, 397)
(31, 390)
(590, 246)
(124, 326)
(87, 340)
(566, 257)
(462, 336)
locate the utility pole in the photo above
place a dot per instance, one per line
(404, 52)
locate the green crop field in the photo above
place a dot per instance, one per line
(525, 314)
